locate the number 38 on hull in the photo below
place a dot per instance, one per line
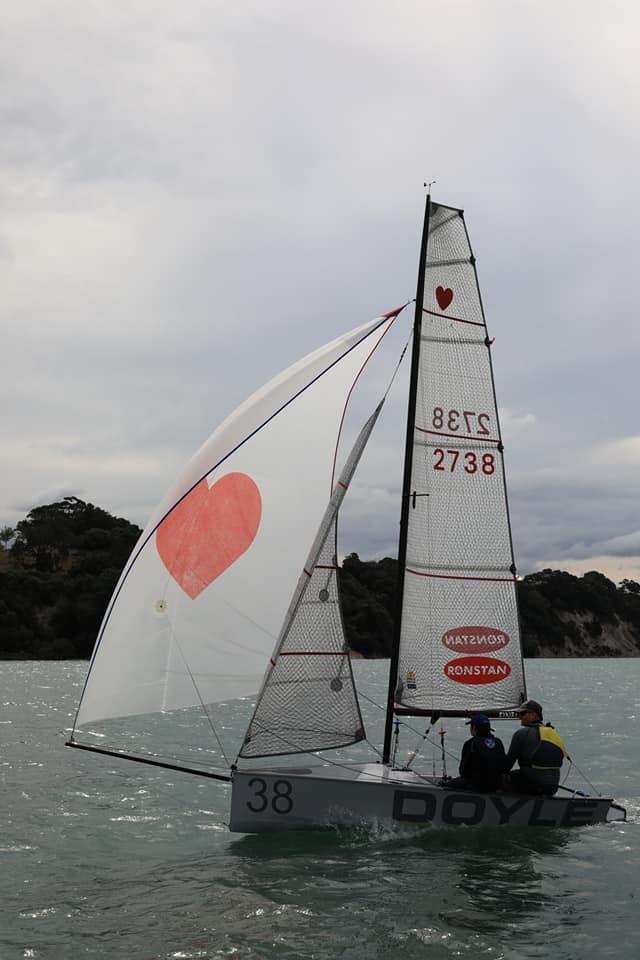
(309, 798)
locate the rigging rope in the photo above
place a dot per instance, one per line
(393, 376)
(198, 694)
(581, 774)
(425, 737)
(421, 776)
(334, 763)
(415, 753)
(434, 743)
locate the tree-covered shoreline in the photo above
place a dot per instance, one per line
(59, 567)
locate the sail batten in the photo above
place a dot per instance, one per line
(459, 568)
(468, 441)
(442, 316)
(433, 264)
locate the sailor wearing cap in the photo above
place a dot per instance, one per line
(482, 762)
(539, 750)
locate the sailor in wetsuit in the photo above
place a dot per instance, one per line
(539, 751)
(482, 762)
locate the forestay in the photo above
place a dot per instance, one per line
(308, 699)
(201, 601)
(460, 644)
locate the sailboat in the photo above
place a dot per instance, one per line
(233, 590)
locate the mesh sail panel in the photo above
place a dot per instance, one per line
(460, 643)
(308, 699)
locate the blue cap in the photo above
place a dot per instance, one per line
(479, 720)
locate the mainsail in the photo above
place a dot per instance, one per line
(201, 601)
(459, 648)
(308, 699)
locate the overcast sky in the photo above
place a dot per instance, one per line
(194, 195)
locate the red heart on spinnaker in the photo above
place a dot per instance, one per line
(444, 297)
(208, 530)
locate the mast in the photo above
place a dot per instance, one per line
(406, 483)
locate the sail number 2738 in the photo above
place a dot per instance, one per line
(468, 421)
(466, 460)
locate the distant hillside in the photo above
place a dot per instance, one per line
(566, 616)
(560, 615)
(59, 567)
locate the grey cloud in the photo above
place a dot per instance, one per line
(627, 545)
(193, 197)
(50, 495)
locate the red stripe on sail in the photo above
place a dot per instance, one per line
(459, 436)
(444, 316)
(457, 576)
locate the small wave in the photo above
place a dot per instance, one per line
(132, 819)
(188, 954)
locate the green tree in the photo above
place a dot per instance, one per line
(64, 563)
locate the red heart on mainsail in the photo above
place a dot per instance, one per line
(444, 297)
(208, 530)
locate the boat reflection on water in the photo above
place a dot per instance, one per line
(424, 883)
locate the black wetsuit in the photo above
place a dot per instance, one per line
(482, 764)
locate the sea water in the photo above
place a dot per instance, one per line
(106, 858)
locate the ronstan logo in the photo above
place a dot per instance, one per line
(475, 639)
(476, 670)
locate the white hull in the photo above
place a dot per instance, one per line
(312, 798)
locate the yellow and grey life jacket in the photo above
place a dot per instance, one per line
(551, 751)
